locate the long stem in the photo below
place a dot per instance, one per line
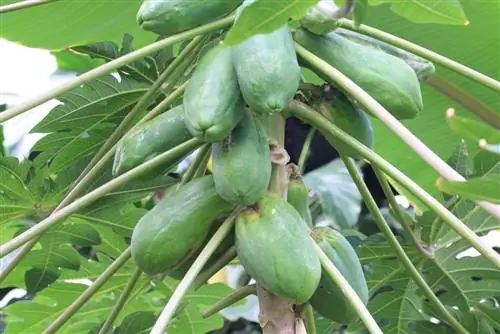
(23, 4)
(113, 65)
(88, 293)
(424, 53)
(400, 253)
(85, 181)
(304, 153)
(215, 268)
(144, 101)
(308, 316)
(400, 215)
(477, 107)
(108, 324)
(197, 162)
(230, 300)
(181, 289)
(169, 156)
(331, 131)
(431, 158)
(348, 291)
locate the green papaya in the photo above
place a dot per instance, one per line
(267, 69)
(176, 227)
(150, 139)
(328, 300)
(422, 67)
(320, 19)
(273, 244)
(241, 163)
(298, 194)
(168, 17)
(227, 242)
(212, 99)
(337, 108)
(388, 79)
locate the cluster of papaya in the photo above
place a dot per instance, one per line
(227, 100)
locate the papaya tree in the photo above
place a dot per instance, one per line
(173, 155)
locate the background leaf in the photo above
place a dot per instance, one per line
(262, 16)
(73, 22)
(484, 188)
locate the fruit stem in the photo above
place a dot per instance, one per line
(334, 76)
(424, 53)
(201, 158)
(168, 157)
(331, 131)
(223, 260)
(114, 65)
(308, 316)
(348, 291)
(229, 300)
(400, 216)
(108, 324)
(188, 279)
(89, 292)
(400, 252)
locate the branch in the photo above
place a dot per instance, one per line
(23, 4)
(181, 289)
(164, 158)
(113, 65)
(424, 53)
(87, 294)
(400, 253)
(346, 84)
(333, 132)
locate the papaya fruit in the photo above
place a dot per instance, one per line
(328, 300)
(267, 69)
(181, 270)
(241, 163)
(422, 67)
(150, 139)
(320, 19)
(298, 194)
(388, 79)
(337, 108)
(168, 17)
(273, 244)
(176, 227)
(212, 99)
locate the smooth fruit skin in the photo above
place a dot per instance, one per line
(150, 139)
(168, 17)
(212, 99)
(241, 163)
(268, 70)
(298, 195)
(348, 117)
(388, 79)
(328, 299)
(273, 245)
(177, 226)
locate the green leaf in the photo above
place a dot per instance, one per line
(190, 321)
(68, 60)
(139, 322)
(492, 315)
(77, 22)
(478, 48)
(360, 10)
(477, 189)
(261, 17)
(472, 129)
(337, 193)
(421, 11)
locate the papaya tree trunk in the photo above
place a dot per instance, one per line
(277, 316)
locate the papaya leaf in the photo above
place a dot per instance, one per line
(139, 322)
(77, 22)
(360, 10)
(421, 11)
(477, 189)
(461, 161)
(487, 312)
(475, 130)
(337, 193)
(261, 17)
(68, 60)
